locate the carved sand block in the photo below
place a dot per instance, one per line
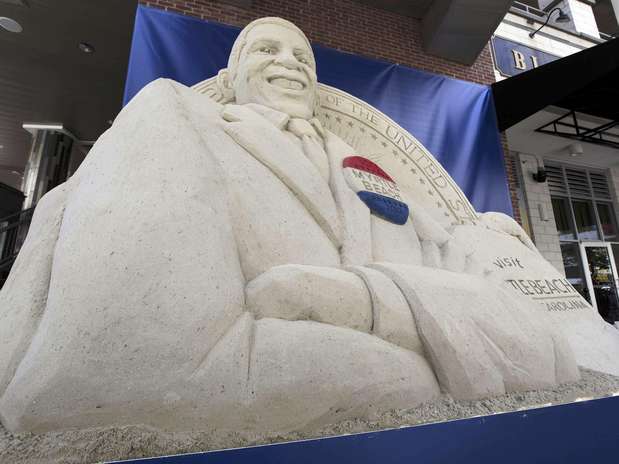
(212, 264)
(421, 176)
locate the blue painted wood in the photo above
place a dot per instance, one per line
(576, 433)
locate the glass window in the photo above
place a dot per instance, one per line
(615, 248)
(573, 268)
(603, 280)
(607, 220)
(560, 208)
(585, 220)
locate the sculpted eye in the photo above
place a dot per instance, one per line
(266, 50)
(303, 59)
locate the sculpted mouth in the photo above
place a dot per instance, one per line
(286, 83)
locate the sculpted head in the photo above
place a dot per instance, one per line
(272, 64)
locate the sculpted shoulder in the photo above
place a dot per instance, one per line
(159, 121)
(162, 97)
(165, 117)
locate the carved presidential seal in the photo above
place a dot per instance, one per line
(369, 131)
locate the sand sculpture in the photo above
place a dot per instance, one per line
(242, 255)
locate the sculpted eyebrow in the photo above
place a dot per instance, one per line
(263, 42)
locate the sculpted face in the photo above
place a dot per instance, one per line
(276, 69)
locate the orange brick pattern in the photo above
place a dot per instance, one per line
(512, 177)
(344, 25)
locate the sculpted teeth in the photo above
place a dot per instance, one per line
(286, 83)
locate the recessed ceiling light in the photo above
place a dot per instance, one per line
(86, 47)
(10, 24)
(1, 147)
(23, 3)
(43, 126)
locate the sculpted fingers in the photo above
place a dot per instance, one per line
(500, 222)
(453, 256)
(321, 294)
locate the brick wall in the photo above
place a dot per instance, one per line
(511, 170)
(351, 27)
(344, 25)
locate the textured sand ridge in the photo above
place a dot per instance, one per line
(115, 443)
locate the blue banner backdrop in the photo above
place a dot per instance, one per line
(454, 119)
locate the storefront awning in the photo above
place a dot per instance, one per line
(585, 82)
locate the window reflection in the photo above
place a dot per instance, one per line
(603, 282)
(615, 248)
(560, 208)
(585, 220)
(607, 220)
(573, 268)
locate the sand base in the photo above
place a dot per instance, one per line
(115, 443)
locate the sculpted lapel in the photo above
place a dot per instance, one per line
(355, 215)
(286, 161)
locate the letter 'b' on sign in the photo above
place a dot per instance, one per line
(519, 61)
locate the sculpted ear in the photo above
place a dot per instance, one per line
(317, 102)
(224, 84)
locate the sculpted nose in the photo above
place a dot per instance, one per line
(289, 61)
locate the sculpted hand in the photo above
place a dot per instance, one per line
(500, 222)
(300, 292)
(439, 248)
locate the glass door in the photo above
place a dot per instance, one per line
(601, 277)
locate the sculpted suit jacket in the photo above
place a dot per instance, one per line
(198, 264)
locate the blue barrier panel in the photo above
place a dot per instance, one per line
(576, 433)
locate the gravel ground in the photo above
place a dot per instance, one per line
(114, 443)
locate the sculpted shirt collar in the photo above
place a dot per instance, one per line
(281, 120)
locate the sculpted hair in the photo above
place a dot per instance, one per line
(241, 40)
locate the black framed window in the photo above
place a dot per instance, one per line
(585, 220)
(608, 221)
(573, 268)
(562, 213)
(581, 203)
(584, 212)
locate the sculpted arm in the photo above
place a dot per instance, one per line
(317, 293)
(144, 280)
(24, 295)
(357, 297)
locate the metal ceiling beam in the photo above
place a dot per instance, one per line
(458, 30)
(600, 134)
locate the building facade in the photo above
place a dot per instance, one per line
(571, 215)
(567, 185)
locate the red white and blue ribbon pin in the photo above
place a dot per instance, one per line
(375, 188)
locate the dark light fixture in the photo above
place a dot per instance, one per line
(540, 176)
(562, 18)
(86, 47)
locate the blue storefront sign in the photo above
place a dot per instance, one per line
(512, 58)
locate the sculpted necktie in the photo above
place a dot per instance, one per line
(312, 143)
